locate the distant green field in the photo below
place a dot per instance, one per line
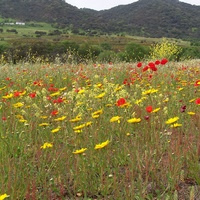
(117, 42)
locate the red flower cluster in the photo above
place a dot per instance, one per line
(152, 65)
(59, 100)
(52, 89)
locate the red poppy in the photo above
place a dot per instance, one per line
(139, 64)
(59, 100)
(152, 66)
(17, 94)
(197, 101)
(32, 95)
(52, 89)
(38, 83)
(77, 90)
(125, 82)
(145, 68)
(149, 109)
(4, 118)
(157, 62)
(197, 83)
(121, 102)
(54, 112)
(163, 61)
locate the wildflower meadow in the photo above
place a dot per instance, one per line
(120, 131)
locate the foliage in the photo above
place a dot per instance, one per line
(135, 52)
(107, 56)
(165, 49)
(192, 52)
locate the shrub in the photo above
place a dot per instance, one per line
(190, 53)
(107, 56)
(165, 49)
(135, 52)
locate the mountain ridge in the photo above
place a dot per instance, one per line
(148, 18)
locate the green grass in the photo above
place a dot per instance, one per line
(70, 107)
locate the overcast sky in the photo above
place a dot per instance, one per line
(107, 4)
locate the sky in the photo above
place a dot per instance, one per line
(107, 4)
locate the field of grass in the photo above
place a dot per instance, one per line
(100, 131)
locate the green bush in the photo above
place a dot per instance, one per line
(190, 53)
(107, 56)
(135, 52)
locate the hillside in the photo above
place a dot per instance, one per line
(156, 18)
(149, 18)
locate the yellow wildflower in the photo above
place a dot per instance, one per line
(18, 105)
(80, 151)
(8, 96)
(3, 88)
(95, 116)
(43, 117)
(118, 88)
(79, 103)
(23, 93)
(22, 120)
(115, 119)
(102, 145)
(55, 94)
(56, 129)
(166, 100)
(61, 89)
(3, 196)
(149, 91)
(44, 124)
(79, 127)
(191, 113)
(98, 112)
(100, 95)
(138, 101)
(172, 120)
(81, 91)
(192, 100)
(46, 145)
(19, 116)
(134, 120)
(78, 118)
(155, 110)
(78, 131)
(60, 118)
(88, 123)
(175, 125)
